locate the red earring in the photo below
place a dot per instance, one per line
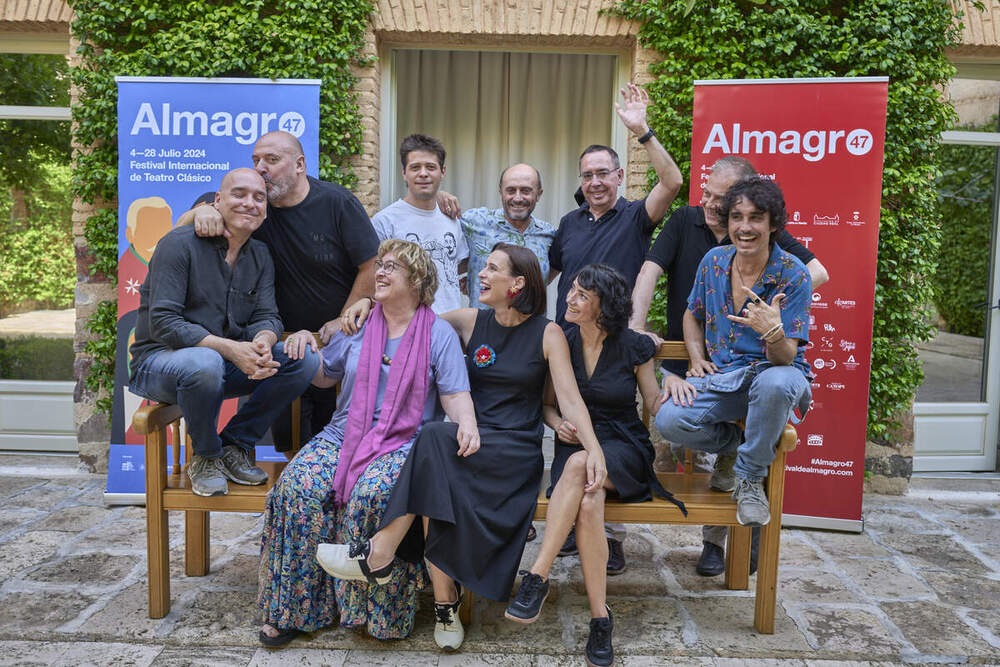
(511, 292)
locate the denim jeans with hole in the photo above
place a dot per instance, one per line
(198, 379)
(765, 396)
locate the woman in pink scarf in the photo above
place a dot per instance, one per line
(392, 375)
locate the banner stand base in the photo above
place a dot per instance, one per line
(823, 523)
(124, 498)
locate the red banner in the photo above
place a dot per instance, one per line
(822, 141)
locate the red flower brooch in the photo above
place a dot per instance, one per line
(484, 356)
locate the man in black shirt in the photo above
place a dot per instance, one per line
(608, 228)
(207, 327)
(324, 248)
(685, 238)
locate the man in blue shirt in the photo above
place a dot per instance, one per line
(747, 360)
(520, 190)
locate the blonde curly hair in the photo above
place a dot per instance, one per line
(423, 273)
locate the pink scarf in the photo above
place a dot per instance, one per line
(402, 404)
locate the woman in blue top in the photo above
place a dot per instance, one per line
(391, 375)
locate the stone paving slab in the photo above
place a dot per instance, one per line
(920, 585)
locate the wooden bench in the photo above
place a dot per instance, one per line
(167, 488)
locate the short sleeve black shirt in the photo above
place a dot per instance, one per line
(620, 238)
(679, 248)
(317, 246)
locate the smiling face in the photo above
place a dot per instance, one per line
(599, 180)
(519, 192)
(242, 201)
(422, 175)
(392, 280)
(720, 180)
(583, 306)
(495, 280)
(750, 229)
(279, 163)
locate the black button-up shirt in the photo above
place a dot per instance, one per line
(620, 238)
(191, 292)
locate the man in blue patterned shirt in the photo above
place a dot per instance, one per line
(747, 361)
(520, 190)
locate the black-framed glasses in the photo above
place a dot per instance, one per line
(387, 267)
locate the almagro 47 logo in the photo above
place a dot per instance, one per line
(245, 127)
(812, 145)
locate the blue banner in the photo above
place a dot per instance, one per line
(177, 138)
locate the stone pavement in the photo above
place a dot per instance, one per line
(921, 584)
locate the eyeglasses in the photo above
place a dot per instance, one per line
(599, 175)
(387, 267)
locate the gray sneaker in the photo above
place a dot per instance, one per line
(237, 467)
(752, 508)
(723, 476)
(207, 476)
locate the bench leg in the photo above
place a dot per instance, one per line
(196, 543)
(465, 609)
(738, 558)
(767, 558)
(157, 527)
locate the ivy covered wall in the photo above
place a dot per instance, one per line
(903, 39)
(244, 38)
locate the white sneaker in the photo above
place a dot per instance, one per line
(448, 630)
(350, 563)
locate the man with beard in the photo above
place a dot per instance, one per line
(207, 327)
(520, 190)
(685, 238)
(323, 247)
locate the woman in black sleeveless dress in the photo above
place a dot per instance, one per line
(477, 509)
(610, 361)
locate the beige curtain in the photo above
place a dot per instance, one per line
(495, 109)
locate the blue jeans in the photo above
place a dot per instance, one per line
(198, 379)
(764, 396)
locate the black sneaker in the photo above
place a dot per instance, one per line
(569, 546)
(599, 650)
(616, 557)
(527, 602)
(712, 562)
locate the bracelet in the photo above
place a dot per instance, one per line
(770, 331)
(371, 300)
(774, 339)
(646, 137)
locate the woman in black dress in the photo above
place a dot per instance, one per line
(609, 360)
(477, 510)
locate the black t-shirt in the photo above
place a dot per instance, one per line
(317, 246)
(620, 238)
(679, 249)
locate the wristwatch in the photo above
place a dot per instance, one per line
(646, 137)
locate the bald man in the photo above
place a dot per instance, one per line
(520, 190)
(323, 246)
(207, 328)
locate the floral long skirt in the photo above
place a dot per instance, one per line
(295, 592)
